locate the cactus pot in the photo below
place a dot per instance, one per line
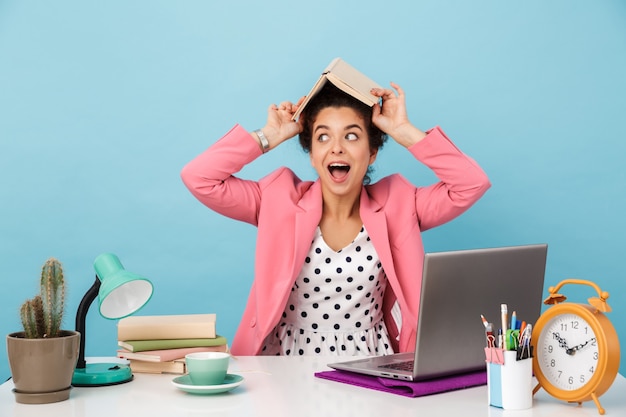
(42, 369)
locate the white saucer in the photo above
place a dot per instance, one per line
(184, 383)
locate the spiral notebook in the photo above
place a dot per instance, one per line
(457, 287)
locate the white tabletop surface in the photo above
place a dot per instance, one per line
(286, 386)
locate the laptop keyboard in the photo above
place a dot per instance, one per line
(401, 366)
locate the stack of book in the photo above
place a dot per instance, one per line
(158, 344)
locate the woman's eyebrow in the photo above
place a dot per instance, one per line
(348, 127)
(318, 127)
(352, 126)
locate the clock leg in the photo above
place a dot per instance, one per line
(536, 388)
(595, 400)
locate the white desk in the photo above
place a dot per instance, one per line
(285, 386)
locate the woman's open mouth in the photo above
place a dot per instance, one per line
(338, 170)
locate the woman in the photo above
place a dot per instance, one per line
(335, 255)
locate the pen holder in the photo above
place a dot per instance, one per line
(509, 378)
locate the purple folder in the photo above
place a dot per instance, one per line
(407, 388)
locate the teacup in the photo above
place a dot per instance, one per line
(207, 368)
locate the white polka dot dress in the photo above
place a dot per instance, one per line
(335, 305)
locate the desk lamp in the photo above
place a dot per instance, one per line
(120, 294)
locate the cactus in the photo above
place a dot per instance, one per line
(32, 317)
(42, 315)
(52, 296)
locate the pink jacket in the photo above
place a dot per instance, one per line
(287, 210)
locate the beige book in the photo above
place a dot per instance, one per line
(169, 367)
(182, 326)
(348, 79)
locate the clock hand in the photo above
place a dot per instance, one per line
(573, 350)
(562, 342)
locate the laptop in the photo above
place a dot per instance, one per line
(457, 288)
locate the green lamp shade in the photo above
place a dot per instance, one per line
(121, 292)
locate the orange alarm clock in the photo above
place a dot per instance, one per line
(576, 348)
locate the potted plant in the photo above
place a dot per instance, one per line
(42, 358)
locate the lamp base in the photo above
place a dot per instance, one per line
(102, 374)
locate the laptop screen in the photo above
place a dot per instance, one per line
(459, 286)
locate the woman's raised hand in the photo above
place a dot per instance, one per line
(391, 116)
(280, 126)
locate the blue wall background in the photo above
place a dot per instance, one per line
(102, 103)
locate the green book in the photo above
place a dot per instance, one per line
(159, 344)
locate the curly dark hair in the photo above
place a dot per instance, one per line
(331, 96)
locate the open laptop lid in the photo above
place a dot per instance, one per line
(457, 287)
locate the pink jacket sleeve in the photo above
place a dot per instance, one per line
(462, 181)
(209, 176)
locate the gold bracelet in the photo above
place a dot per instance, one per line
(265, 145)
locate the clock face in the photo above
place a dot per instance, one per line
(567, 352)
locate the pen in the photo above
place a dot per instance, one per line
(503, 311)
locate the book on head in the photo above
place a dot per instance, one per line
(181, 326)
(348, 79)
